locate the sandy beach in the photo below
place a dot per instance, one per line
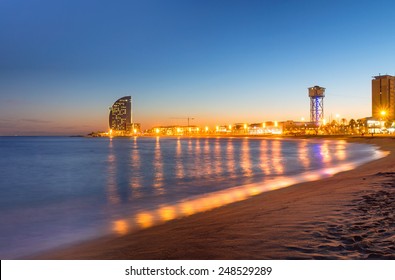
(348, 216)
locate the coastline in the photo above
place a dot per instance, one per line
(347, 216)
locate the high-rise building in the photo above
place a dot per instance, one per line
(383, 97)
(121, 114)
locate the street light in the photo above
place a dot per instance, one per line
(383, 113)
(338, 118)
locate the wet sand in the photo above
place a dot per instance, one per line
(348, 216)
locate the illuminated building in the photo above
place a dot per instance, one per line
(121, 114)
(316, 95)
(231, 129)
(383, 97)
(174, 130)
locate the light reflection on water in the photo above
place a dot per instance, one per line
(264, 156)
(179, 166)
(207, 161)
(277, 157)
(217, 157)
(164, 213)
(230, 159)
(135, 165)
(245, 158)
(303, 154)
(315, 160)
(341, 150)
(112, 193)
(101, 186)
(158, 169)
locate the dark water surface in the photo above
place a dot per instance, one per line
(56, 190)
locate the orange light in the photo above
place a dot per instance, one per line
(145, 220)
(167, 213)
(121, 227)
(187, 208)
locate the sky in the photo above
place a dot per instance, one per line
(64, 63)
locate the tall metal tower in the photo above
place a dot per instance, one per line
(316, 95)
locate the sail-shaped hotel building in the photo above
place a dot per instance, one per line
(120, 118)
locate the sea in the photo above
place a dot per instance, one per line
(57, 191)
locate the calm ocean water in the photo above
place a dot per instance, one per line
(56, 190)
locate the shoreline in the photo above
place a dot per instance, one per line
(347, 216)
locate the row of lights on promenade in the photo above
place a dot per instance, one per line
(217, 128)
(245, 126)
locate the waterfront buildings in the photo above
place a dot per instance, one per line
(382, 120)
(383, 98)
(265, 128)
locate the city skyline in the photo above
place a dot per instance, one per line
(218, 62)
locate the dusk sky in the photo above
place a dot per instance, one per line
(64, 63)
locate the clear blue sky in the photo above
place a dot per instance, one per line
(63, 63)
